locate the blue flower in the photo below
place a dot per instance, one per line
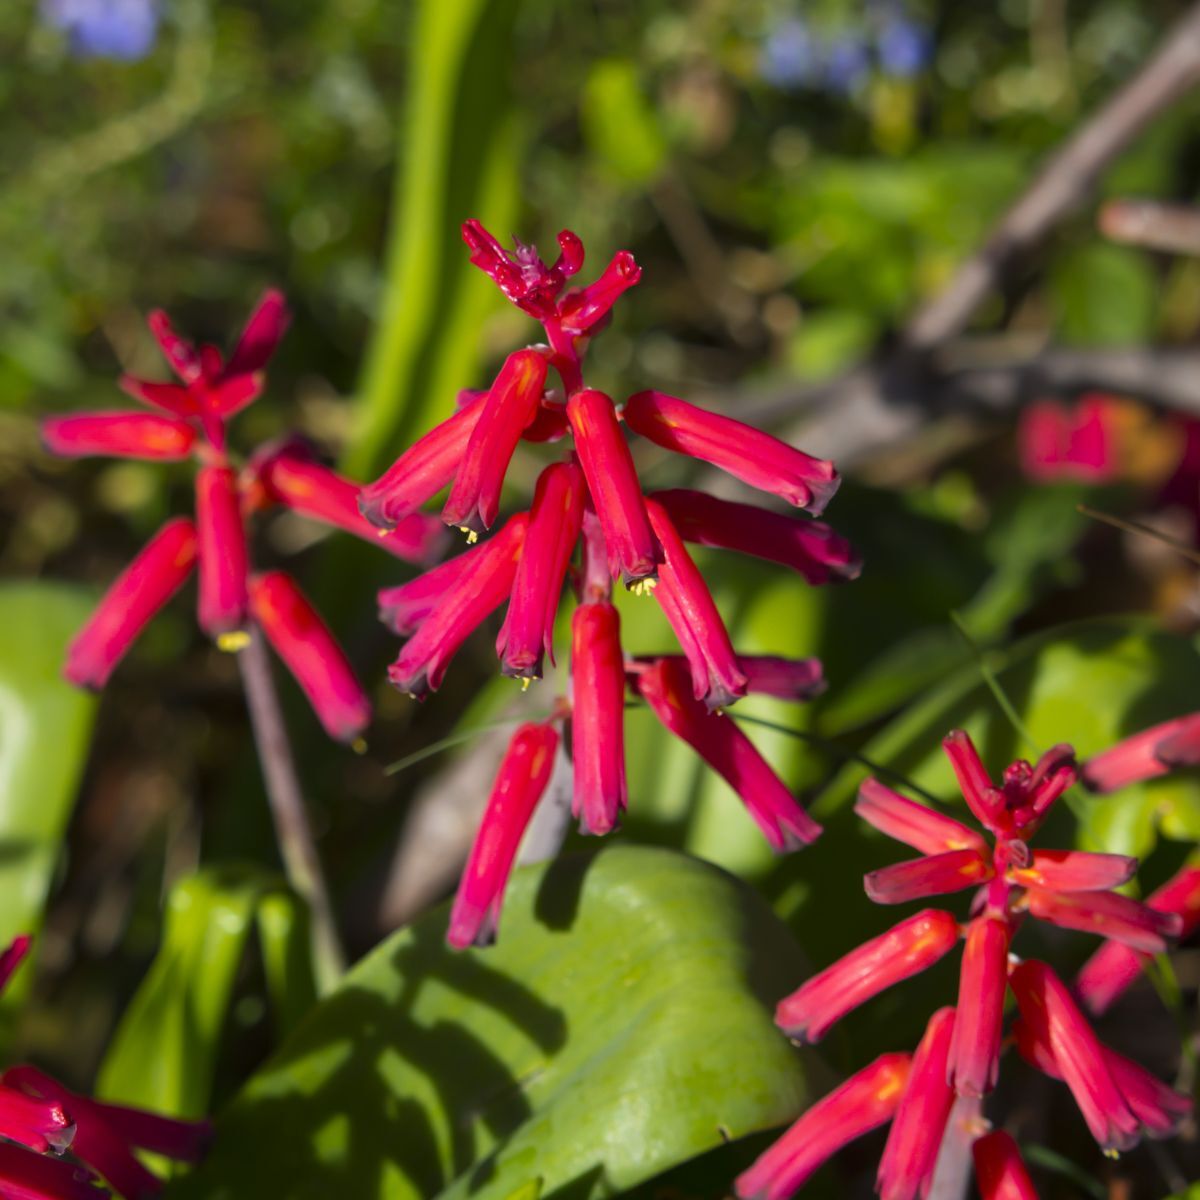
(847, 62)
(120, 29)
(904, 46)
(788, 58)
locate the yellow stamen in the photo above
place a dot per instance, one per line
(359, 745)
(472, 536)
(231, 643)
(644, 587)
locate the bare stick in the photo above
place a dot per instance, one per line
(1065, 181)
(1174, 228)
(296, 845)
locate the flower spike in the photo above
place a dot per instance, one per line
(748, 454)
(523, 776)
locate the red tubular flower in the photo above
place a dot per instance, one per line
(581, 311)
(1074, 871)
(12, 956)
(1108, 914)
(784, 678)
(633, 550)
(598, 717)
(1114, 967)
(983, 799)
(1146, 755)
(1160, 1109)
(524, 278)
(999, 1171)
(311, 653)
(1060, 442)
(119, 435)
(717, 678)
(935, 875)
(864, 1102)
(1047, 1008)
(155, 575)
(509, 407)
(810, 548)
(975, 1049)
(913, 824)
(25, 1175)
(403, 608)
(426, 467)
(906, 949)
(42, 1125)
(315, 491)
(906, 1168)
(261, 336)
(477, 591)
(666, 689)
(106, 1134)
(748, 454)
(520, 782)
(224, 560)
(554, 523)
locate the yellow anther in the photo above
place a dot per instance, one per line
(472, 536)
(359, 745)
(644, 587)
(231, 643)
(525, 682)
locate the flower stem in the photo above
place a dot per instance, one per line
(297, 847)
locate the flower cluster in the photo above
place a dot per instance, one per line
(191, 422)
(43, 1122)
(959, 1055)
(592, 500)
(795, 54)
(118, 29)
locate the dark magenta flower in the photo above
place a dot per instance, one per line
(591, 524)
(47, 1120)
(192, 423)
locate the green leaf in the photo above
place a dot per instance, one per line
(45, 726)
(621, 1025)
(163, 1055)
(458, 159)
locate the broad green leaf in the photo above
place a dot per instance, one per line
(621, 1025)
(163, 1054)
(45, 726)
(1089, 685)
(458, 159)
